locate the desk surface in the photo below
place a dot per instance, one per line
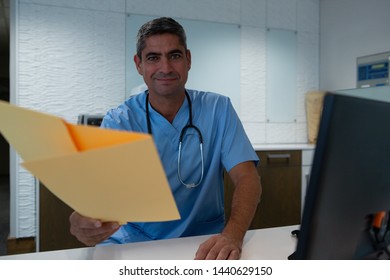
(262, 244)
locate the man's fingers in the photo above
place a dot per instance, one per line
(83, 222)
(218, 247)
(90, 231)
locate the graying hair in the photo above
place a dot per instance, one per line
(159, 26)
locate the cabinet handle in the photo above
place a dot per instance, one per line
(278, 156)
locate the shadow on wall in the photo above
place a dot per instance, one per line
(4, 177)
(4, 146)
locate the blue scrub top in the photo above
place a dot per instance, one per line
(225, 144)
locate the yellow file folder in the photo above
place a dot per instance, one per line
(101, 173)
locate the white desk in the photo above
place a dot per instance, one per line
(261, 244)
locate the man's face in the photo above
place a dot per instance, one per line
(164, 65)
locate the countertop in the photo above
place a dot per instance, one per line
(289, 146)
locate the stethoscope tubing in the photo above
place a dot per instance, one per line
(182, 133)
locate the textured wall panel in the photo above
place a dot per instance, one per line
(256, 132)
(26, 204)
(280, 133)
(71, 61)
(301, 133)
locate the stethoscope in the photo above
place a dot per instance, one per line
(182, 133)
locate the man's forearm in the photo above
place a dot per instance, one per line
(245, 199)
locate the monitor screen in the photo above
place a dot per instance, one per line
(349, 182)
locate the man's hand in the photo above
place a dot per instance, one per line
(90, 231)
(228, 244)
(219, 247)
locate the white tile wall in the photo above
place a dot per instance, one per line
(71, 60)
(282, 14)
(254, 13)
(298, 15)
(208, 10)
(100, 5)
(280, 132)
(308, 19)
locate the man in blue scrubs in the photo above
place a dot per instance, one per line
(212, 139)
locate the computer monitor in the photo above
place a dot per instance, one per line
(349, 181)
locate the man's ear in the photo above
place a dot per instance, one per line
(137, 62)
(188, 54)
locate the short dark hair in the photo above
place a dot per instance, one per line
(158, 26)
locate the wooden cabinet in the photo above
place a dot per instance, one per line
(54, 224)
(54, 227)
(280, 205)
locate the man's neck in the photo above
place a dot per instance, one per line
(167, 106)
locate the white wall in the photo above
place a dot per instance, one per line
(255, 16)
(350, 29)
(70, 59)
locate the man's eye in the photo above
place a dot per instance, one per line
(152, 58)
(175, 56)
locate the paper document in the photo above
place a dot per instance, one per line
(101, 173)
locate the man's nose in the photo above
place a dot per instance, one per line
(166, 65)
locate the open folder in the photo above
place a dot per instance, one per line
(101, 173)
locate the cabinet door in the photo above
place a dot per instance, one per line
(280, 205)
(54, 224)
